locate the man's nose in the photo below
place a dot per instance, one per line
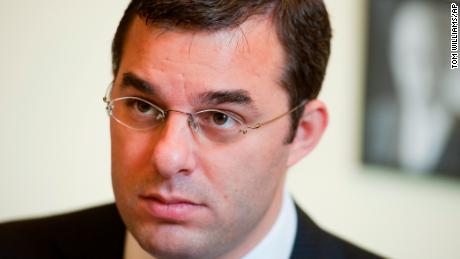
(175, 147)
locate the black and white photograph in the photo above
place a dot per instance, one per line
(412, 100)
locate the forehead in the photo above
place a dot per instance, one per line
(248, 57)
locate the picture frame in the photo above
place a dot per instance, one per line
(412, 96)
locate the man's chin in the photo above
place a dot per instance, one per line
(171, 241)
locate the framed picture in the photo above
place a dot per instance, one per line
(412, 101)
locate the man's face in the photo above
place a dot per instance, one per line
(180, 194)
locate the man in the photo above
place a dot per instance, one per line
(211, 103)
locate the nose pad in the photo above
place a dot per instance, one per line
(160, 117)
(192, 123)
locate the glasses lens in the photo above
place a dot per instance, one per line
(136, 113)
(218, 126)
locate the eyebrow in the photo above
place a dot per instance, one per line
(226, 96)
(239, 96)
(131, 80)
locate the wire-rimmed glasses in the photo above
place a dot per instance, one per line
(214, 124)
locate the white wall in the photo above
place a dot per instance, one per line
(54, 146)
(54, 68)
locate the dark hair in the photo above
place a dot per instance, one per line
(302, 27)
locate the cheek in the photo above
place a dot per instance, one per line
(247, 173)
(130, 153)
(244, 181)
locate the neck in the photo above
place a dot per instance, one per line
(262, 228)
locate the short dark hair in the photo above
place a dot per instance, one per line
(302, 27)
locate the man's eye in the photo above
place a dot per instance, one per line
(143, 107)
(220, 120)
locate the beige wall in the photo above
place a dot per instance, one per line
(54, 148)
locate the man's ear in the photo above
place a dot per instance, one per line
(311, 127)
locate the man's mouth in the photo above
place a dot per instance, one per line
(170, 208)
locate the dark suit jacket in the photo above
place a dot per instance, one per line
(100, 233)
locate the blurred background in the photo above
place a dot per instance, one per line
(54, 137)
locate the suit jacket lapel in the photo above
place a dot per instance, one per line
(96, 234)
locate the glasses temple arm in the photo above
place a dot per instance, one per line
(108, 93)
(260, 124)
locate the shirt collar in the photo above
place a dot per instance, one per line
(277, 244)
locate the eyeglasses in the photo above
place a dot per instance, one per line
(216, 125)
